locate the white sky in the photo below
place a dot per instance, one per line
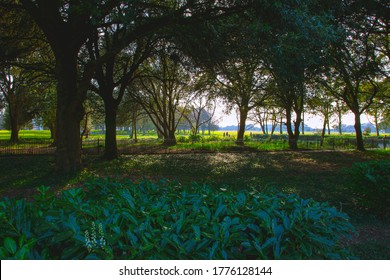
(310, 120)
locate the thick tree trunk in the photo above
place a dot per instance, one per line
(359, 134)
(69, 114)
(241, 126)
(170, 138)
(292, 139)
(14, 124)
(111, 149)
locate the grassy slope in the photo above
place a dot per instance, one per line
(321, 175)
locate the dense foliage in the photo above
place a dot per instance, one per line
(111, 220)
(371, 184)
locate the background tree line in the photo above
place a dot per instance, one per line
(119, 61)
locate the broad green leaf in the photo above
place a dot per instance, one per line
(10, 245)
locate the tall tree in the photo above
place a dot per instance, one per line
(22, 94)
(296, 54)
(67, 25)
(242, 84)
(356, 62)
(200, 112)
(163, 91)
(114, 75)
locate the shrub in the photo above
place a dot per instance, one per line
(367, 131)
(182, 139)
(110, 220)
(371, 185)
(214, 138)
(195, 138)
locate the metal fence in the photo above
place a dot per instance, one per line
(95, 146)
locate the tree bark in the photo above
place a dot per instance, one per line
(111, 149)
(170, 138)
(323, 130)
(69, 114)
(134, 129)
(376, 123)
(14, 122)
(241, 126)
(359, 134)
(292, 140)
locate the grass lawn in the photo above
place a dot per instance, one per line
(321, 175)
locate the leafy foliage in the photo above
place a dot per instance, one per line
(371, 184)
(107, 220)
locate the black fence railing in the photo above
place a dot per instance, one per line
(95, 146)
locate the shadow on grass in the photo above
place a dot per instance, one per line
(21, 175)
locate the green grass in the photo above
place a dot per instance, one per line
(45, 134)
(26, 134)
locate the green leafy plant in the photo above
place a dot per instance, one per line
(371, 185)
(165, 220)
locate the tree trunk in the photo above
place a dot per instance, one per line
(111, 149)
(14, 123)
(170, 138)
(376, 123)
(134, 129)
(340, 123)
(323, 131)
(359, 134)
(292, 141)
(281, 126)
(241, 126)
(70, 112)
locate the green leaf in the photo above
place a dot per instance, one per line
(268, 243)
(213, 249)
(219, 210)
(196, 231)
(10, 245)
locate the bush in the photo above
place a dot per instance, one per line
(182, 139)
(195, 138)
(367, 131)
(110, 220)
(371, 185)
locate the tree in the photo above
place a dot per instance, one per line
(200, 112)
(163, 88)
(68, 25)
(114, 75)
(22, 95)
(378, 111)
(322, 103)
(297, 53)
(266, 115)
(356, 62)
(242, 84)
(340, 109)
